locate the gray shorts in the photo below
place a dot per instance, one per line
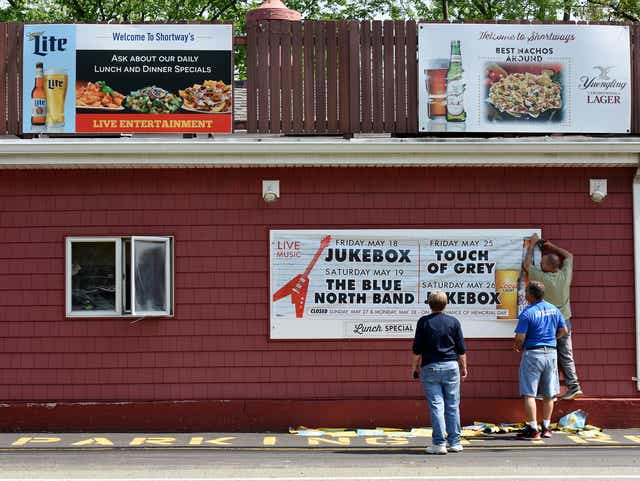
(539, 373)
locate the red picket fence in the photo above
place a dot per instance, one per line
(330, 77)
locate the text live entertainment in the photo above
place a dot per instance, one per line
(375, 283)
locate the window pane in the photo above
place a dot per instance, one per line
(151, 293)
(93, 276)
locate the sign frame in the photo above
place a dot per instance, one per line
(283, 329)
(572, 105)
(185, 71)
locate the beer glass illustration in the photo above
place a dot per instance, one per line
(508, 270)
(523, 279)
(507, 286)
(436, 82)
(56, 82)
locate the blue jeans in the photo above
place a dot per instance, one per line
(441, 382)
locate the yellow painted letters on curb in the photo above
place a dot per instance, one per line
(28, 440)
(154, 441)
(98, 441)
(338, 441)
(219, 441)
(386, 441)
(599, 439)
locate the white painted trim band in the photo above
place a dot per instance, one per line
(252, 151)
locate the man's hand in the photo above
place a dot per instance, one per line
(518, 342)
(464, 372)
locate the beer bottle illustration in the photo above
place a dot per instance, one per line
(39, 98)
(455, 86)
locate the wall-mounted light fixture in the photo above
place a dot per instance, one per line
(270, 190)
(597, 189)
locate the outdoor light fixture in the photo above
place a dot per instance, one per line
(270, 190)
(597, 189)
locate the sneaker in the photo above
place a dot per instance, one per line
(436, 450)
(573, 393)
(456, 448)
(529, 433)
(546, 432)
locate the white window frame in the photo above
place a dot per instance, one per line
(167, 276)
(121, 276)
(69, 269)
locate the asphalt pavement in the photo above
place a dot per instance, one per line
(287, 457)
(314, 440)
(326, 465)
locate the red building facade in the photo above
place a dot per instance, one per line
(212, 364)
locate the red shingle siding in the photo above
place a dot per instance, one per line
(217, 345)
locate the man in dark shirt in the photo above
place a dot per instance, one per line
(439, 348)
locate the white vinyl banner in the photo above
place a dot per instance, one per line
(524, 78)
(338, 284)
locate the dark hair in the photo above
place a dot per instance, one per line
(536, 290)
(437, 301)
(553, 260)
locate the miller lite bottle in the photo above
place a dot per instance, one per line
(39, 98)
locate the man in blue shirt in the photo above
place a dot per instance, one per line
(539, 325)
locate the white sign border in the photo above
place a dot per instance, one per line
(319, 332)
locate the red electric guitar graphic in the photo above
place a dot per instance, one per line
(298, 286)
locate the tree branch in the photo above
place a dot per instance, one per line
(480, 6)
(617, 9)
(566, 11)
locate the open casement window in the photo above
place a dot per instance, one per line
(150, 276)
(119, 276)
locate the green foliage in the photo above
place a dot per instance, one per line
(231, 10)
(203, 10)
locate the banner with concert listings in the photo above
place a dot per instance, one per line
(524, 78)
(336, 284)
(127, 78)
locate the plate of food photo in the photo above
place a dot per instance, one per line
(531, 92)
(210, 97)
(153, 100)
(98, 96)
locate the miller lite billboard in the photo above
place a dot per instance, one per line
(127, 78)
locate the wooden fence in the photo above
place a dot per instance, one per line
(10, 78)
(310, 77)
(328, 77)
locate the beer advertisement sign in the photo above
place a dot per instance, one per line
(339, 284)
(524, 78)
(127, 78)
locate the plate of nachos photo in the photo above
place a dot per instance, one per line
(212, 97)
(524, 92)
